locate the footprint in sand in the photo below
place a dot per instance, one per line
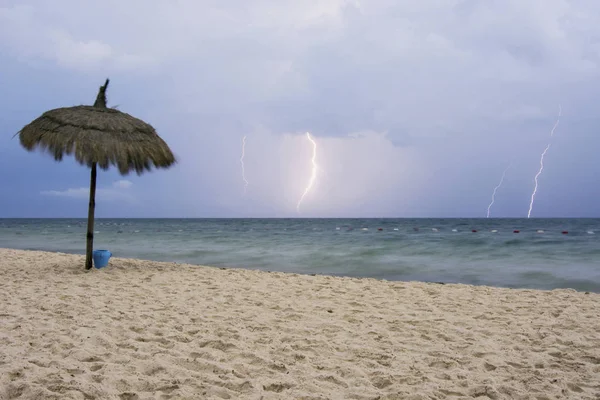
(129, 396)
(277, 387)
(96, 367)
(92, 359)
(574, 387)
(489, 367)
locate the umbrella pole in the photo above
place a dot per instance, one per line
(90, 225)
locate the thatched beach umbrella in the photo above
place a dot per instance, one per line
(97, 136)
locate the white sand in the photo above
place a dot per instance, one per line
(144, 330)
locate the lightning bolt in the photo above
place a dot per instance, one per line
(242, 162)
(542, 163)
(313, 175)
(496, 189)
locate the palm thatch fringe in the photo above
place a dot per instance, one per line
(102, 135)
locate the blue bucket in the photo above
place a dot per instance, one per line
(101, 258)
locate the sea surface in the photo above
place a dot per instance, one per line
(539, 256)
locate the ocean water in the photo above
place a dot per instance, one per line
(432, 250)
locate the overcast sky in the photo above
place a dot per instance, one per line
(416, 106)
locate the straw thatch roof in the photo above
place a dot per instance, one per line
(98, 134)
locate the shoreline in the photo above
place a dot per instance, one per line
(585, 290)
(141, 329)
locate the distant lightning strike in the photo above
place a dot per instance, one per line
(542, 163)
(496, 189)
(242, 162)
(313, 175)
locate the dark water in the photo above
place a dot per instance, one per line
(441, 250)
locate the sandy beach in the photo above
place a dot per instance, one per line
(149, 330)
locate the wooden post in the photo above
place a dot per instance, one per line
(89, 247)
(90, 225)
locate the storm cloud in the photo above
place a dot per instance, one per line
(416, 106)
